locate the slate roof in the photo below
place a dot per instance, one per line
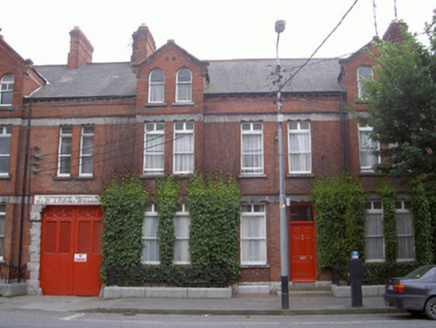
(90, 80)
(257, 76)
(227, 76)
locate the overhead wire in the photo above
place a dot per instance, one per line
(319, 47)
(306, 63)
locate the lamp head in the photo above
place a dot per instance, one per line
(280, 26)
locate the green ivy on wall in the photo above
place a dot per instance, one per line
(166, 200)
(423, 217)
(340, 219)
(214, 206)
(389, 194)
(123, 203)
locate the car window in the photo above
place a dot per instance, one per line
(418, 273)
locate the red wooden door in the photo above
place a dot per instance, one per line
(302, 244)
(70, 250)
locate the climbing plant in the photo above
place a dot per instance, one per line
(389, 194)
(123, 203)
(214, 205)
(423, 217)
(166, 200)
(340, 218)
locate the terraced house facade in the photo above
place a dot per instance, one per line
(65, 128)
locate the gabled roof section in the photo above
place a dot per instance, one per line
(171, 43)
(13, 53)
(257, 76)
(90, 80)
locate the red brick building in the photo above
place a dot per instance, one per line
(65, 128)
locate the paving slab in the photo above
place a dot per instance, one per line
(237, 305)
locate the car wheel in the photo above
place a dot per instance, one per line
(430, 308)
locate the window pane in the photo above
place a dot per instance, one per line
(156, 86)
(184, 92)
(4, 164)
(374, 247)
(6, 98)
(88, 145)
(184, 147)
(66, 145)
(364, 73)
(184, 85)
(87, 165)
(156, 75)
(64, 165)
(253, 234)
(156, 93)
(181, 232)
(150, 251)
(184, 75)
(405, 235)
(251, 148)
(5, 144)
(87, 150)
(154, 148)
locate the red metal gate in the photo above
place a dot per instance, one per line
(71, 250)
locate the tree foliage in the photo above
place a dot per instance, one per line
(402, 104)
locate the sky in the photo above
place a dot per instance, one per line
(207, 29)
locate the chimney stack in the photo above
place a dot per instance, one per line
(143, 44)
(80, 49)
(394, 33)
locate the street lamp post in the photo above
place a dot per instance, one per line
(284, 224)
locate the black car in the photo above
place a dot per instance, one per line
(415, 292)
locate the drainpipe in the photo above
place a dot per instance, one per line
(23, 192)
(342, 120)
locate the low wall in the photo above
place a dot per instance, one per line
(14, 289)
(165, 292)
(345, 291)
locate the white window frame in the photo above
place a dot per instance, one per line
(361, 78)
(150, 213)
(181, 129)
(6, 133)
(252, 131)
(182, 213)
(6, 88)
(300, 130)
(182, 84)
(403, 209)
(154, 146)
(2, 230)
(367, 149)
(63, 136)
(86, 153)
(156, 88)
(377, 213)
(249, 212)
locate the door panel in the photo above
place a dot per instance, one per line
(70, 250)
(302, 245)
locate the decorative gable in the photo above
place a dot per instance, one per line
(170, 78)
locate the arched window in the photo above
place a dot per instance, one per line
(184, 85)
(6, 90)
(156, 86)
(364, 73)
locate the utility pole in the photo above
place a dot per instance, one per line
(284, 224)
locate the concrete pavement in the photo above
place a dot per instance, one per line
(237, 305)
